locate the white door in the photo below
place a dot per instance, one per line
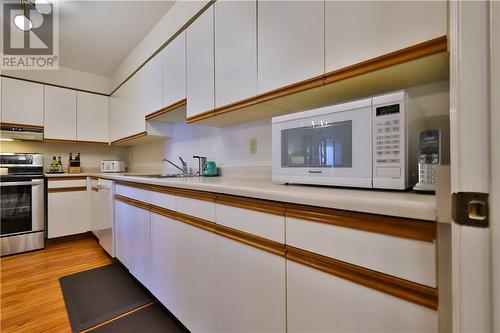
(60, 113)
(250, 289)
(290, 42)
(200, 64)
(470, 163)
(195, 251)
(163, 260)
(235, 51)
(152, 86)
(92, 117)
(174, 70)
(22, 102)
(67, 214)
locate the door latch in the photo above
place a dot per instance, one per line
(470, 208)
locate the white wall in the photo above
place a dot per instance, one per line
(230, 146)
(180, 13)
(65, 76)
(91, 155)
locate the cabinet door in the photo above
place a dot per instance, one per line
(235, 51)
(60, 113)
(196, 278)
(290, 42)
(174, 70)
(93, 196)
(65, 214)
(92, 121)
(116, 116)
(134, 98)
(361, 30)
(250, 289)
(22, 102)
(133, 240)
(200, 64)
(163, 260)
(321, 302)
(152, 86)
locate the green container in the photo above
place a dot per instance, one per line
(210, 169)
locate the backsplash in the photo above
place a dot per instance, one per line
(91, 155)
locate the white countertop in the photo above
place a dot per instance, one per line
(393, 203)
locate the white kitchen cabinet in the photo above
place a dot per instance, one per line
(92, 117)
(235, 51)
(408, 259)
(59, 113)
(195, 277)
(22, 102)
(321, 302)
(163, 260)
(152, 86)
(250, 289)
(135, 101)
(67, 213)
(290, 42)
(132, 232)
(174, 70)
(200, 64)
(358, 31)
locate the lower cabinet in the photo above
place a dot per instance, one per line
(163, 260)
(67, 213)
(196, 278)
(319, 302)
(133, 234)
(250, 289)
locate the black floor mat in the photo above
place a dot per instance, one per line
(97, 295)
(151, 319)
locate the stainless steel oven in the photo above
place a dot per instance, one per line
(22, 202)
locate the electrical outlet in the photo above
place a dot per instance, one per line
(253, 145)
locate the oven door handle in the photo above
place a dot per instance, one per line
(32, 183)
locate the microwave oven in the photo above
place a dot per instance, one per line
(369, 143)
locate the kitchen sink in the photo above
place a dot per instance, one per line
(158, 175)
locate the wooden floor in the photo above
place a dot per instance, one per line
(31, 299)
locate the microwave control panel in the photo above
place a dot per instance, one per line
(388, 135)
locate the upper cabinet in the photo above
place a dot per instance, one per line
(152, 87)
(92, 112)
(22, 102)
(60, 113)
(290, 42)
(358, 31)
(235, 51)
(174, 70)
(200, 64)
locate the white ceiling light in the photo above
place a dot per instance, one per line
(23, 23)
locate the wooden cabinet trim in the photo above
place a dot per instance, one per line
(427, 48)
(181, 192)
(23, 126)
(129, 138)
(404, 289)
(133, 202)
(67, 189)
(252, 240)
(264, 206)
(433, 46)
(164, 212)
(58, 178)
(49, 140)
(94, 188)
(401, 288)
(388, 225)
(166, 109)
(140, 186)
(94, 178)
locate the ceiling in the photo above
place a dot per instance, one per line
(96, 36)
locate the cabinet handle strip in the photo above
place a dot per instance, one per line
(50, 179)
(265, 206)
(410, 291)
(67, 189)
(166, 109)
(133, 202)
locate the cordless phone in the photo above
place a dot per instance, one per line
(429, 156)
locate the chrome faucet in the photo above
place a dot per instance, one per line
(183, 169)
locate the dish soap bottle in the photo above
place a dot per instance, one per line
(53, 165)
(59, 165)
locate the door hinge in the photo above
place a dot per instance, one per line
(470, 208)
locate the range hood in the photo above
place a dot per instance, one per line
(21, 133)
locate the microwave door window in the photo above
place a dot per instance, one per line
(324, 146)
(15, 209)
